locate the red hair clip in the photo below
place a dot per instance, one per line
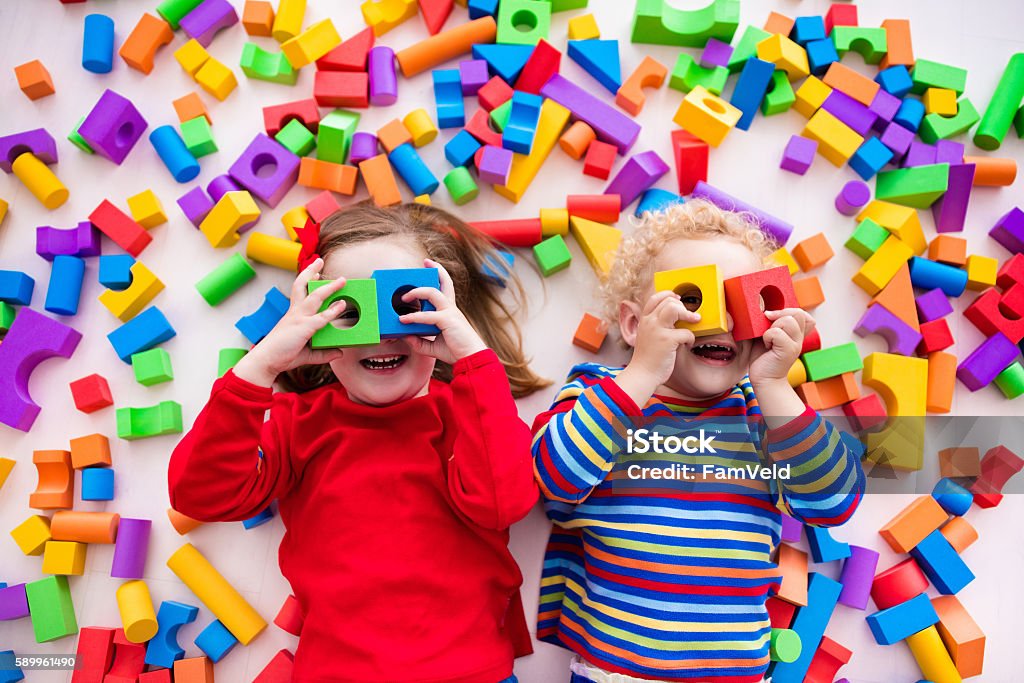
(309, 237)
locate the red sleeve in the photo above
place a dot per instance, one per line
(215, 473)
(490, 472)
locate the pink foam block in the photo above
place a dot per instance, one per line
(901, 337)
(858, 573)
(37, 141)
(852, 198)
(261, 154)
(637, 175)
(611, 125)
(33, 338)
(206, 20)
(950, 211)
(82, 240)
(981, 367)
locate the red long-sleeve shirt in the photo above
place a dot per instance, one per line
(396, 518)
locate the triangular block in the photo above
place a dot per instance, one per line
(350, 55)
(505, 61)
(598, 241)
(600, 59)
(435, 13)
(897, 297)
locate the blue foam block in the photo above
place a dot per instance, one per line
(952, 497)
(257, 324)
(16, 287)
(482, 8)
(497, 268)
(896, 623)
(141, 333)
(505, 61)
(259, 519)
(451, 110)
(65, 288)
(809, 623)
(116, 271)
(173, 152)
(215, 640)
(751, 88)
(870, 158)
(820, 54)
(98, 44)
(600, 59)
(9, 673)
(895, 80)
(460, 149)
(910, 114)
(162, 649)
(522, 123)
(823, 547)
(391, 285)
(806, 29)
(934, 275)
(97, 483)
(942, 564)
(656, 199)
(409, 164)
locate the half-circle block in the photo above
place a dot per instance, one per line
(56, 487)
(162, 649)
(657, 23)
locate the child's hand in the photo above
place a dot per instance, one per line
(657, 340)
(286, 346)
(458, 339)
(782, 344)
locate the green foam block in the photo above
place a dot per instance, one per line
(917, 186)
(361, 297)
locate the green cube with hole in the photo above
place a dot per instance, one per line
(152, 367)
(523, 22)
(359, 325)
(552, 255)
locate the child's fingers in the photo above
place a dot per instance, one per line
(790, 326)
(333, 311)
(434, 296)
(323, 356)
(805, 320)
(447, 285)
(422, 317)
(319, 295)
(683, 337)
(302, 279)
(656, 299)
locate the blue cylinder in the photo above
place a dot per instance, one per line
(65, 288)
(909, 114)
(933, 275)
(414, 172)
(98, 44)
(175, 155)
(952, 497)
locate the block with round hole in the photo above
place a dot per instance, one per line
(702, 291)
(360, 295)
(748, 296)
(523, 22)
(391, 285)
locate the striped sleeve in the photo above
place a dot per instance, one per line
(577, 440)
(826, 479)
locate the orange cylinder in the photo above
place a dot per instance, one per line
(446, 45)
(959, 532)
(993, 171)
(577, 139)
(84, 527)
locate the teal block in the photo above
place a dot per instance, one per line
(523, 22)
(361, 307)
(657, 23)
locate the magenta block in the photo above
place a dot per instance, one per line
(195, 204)
(636, 175)
(383, 78)
(113, 126)
(32, 339)
(791, 529)
(267, 169)
(919, 154)
(364, 146)
(474, 75)
(220, 186)
(849, 111)
(13, 602)
(950, 211)
(858, 573)
(949, 152)
(898, 139)
(1009, 231)
(853, 197)
(207, 19)
(83, 240)
(716, 53)
(932, 305)
(901, 337)
(884, 107)
(130, 548)
(38, 141)
(494, 164)
(776, 228)
(610, 124)
(799, 154)
(981, 367)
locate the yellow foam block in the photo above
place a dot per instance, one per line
(40, 180)
(311, 44)
(137, 614)
(219, 596)
(882, 265)
(598, 241)
(273, 251)
(584, 27)
(64, 557)
(784, 54)
(704, 282)
(940, 101)
(384, 15)
(422, 199)
(192, 56)
(981, 272)
(293, 219)
(233, 211)
(797, 374)
(901, 221)
(420, 126)
(932, 657)
(784, 258)
(901, 381)
(216, 79)
(3, 210)
(554, 222)
(552, 120)
(146, 209)
(810, 96)
(837, 142)
(707, 116)
(32, 534)
(6, 465)
(288, 20)
(898, 446)
(125, 304)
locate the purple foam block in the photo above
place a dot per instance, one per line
(220, 186)
(898, 139)
(32, 339)
(791, 529)
(207, 19)
(83, 240)
(637, 175)
(13, 602)
(981, 367)
(901, 337)
(884, 107)
(195, 204)
(37, 141)
(474, 75)
(858, 573)
(777, 229)
(799, 154)
(932, 305)
(611, 125)
(849, 111)
(113, 126)
(919, 154)
(949, 152)
(364, 146)
(130, 548)
(267, 169)
(716, 53)
(1009, 231)
(383, 78)
(950, 211)
(494, 165)
(853, 197)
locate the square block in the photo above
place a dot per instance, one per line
(64, 557)
(89, 451)
(258, 18)
(745, 294)
(32, 535)
(113, 126)
(391, 286)
(599, 159)
(707, 116)
(808, 292)
(146, 209)
(939, 101)
(949, 250)
(296, 138)
(701, 290)
(813, 252)
(552, 255)
(364, 330)
(584, 27)
(152, 367)
(34, 80)
(97, 483)
(198, 137)
(590, 333)
(523, 22)
(91, 393)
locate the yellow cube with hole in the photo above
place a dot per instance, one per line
(981, 272)
(583, 28)
(64, 557)
(146, 209)
(704, 282)
(32, 534)
(707, 116)
(940, 101)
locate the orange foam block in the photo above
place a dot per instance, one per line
(857, 86)
(258, 18)
(778, 23)
(909, 527)
(941, 381)
(445, 46)
(326, 175)
(34, 80)
(577, 139)
(809, 294)
(590, 333)
(961, 635)
(380, 180)
(948, 249)
(191, 106)
(793, 570)
(393, 134)
(960, 534)
(649, 74)
(140, 47)
(813, 252)
(182, 523)
(962, 461)
(193, 670)
(829, 393)
(900, 48)
(84, 527)
(90, 451)
(56, 487)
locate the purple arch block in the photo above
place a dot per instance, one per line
(38, 141)
(82, 240)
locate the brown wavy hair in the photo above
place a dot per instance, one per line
(463, 251)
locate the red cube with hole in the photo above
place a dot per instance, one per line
(744, 295)
(91, 393)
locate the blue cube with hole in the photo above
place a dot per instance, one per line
(460, 149)
(116, 271)
(97, 483)
(391, 286)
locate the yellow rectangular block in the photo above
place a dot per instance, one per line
(901, 221)
(707, 116)
(6, 465)
(233, 211)
(981, 272)
(216, 79)
(784, 54)
(127, 303)
(701, 290)
(192, 56)
(882, 266)
(810, 96)
(288, 20)
(552, 120)
(146, 209)
(64, 557)
(901, 381)
(940, 101)
(311, 44)
(32, 534)
(899, 445)
(837, 142)
(784, 258)
(584, 28)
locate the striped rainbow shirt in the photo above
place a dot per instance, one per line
(661, 582)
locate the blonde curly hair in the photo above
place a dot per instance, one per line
(633, 267)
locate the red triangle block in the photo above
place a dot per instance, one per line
(350, 55)
(435, 13)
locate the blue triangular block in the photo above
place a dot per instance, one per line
(600, 58)
(505, 61)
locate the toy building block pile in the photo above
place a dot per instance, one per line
(498, 87)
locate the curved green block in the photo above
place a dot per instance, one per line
(141, 423)
(938, 127)
(656, 23)
(870, 43)
(688, 74)
(267, 66)
(780, 96)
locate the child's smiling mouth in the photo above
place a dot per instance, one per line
(714, 353)
(383, 363)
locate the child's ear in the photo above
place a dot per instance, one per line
(629, 321)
